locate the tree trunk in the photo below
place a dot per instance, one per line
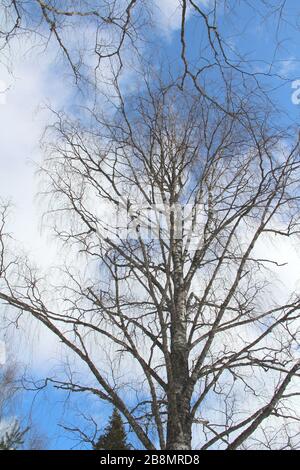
(179, 429)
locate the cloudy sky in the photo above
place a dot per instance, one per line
(31, 81)
(32, 84)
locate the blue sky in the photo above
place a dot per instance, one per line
(37, 81)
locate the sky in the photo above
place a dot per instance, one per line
(27, 89)
(38, 79)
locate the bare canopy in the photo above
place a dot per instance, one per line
(175, 291)
(165, 203)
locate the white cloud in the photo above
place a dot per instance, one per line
(168, 14)
(22, 121)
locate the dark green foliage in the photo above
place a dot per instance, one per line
(114, 436)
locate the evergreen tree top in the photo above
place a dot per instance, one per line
(114, 436)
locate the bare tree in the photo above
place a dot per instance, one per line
(114, 22)
(166, 202)
(110, 28)
(171, 308)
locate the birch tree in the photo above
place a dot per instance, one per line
(165, 204)
(175, 320)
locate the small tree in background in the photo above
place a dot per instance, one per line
(14, 434)
(13, 439)
(11, 433)
(114, 436)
